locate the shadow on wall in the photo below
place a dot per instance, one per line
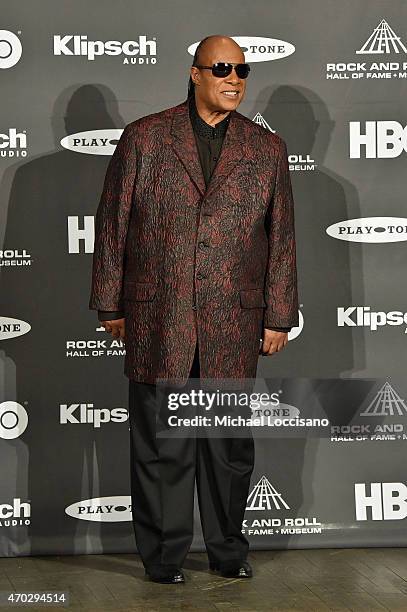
(327, 277)
(56, 465)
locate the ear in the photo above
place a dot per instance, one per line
(195, 75)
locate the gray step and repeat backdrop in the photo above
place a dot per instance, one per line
(331, 79)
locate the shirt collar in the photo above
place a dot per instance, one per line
(204, 129)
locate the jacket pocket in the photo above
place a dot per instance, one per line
(252, 298)
(139, 292)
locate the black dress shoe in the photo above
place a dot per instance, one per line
(232, 569)
(166, 574)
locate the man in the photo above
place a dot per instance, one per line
(194, 262)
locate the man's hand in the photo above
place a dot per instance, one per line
(273, 341)
(115, 327)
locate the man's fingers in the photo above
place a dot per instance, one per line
(273, 342)
(266, 345)
(117, 331)
(115, 327)
(273, 348)
(278, 346)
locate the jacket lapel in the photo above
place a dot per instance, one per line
(184, 144)
(232, 151)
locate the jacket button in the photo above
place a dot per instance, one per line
(193, 306)
(202, 245)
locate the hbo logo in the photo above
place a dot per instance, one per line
(378, 139)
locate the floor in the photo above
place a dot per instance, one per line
(316, 579)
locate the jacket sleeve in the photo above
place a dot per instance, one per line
(108, 315)
(281, 275)
(111, 224)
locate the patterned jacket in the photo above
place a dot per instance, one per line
(159, 232)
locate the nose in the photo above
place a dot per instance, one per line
(232, 77)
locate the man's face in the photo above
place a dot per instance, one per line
(211, 90)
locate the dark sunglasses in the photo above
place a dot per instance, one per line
(223, 69)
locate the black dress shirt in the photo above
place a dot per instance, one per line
(209, 140)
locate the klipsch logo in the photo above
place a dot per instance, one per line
(10, 49)
(112, 509)
(370, 229)
(363, 316)
(16, 514)
(93, 142)
(140, 51)
(382, 41)
(13, 143)
(87, 413)
(265, 498)
(258, 49)
(377, 139)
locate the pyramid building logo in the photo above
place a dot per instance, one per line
(260, 120)
(386, 402)
(383, 40)
(265, 497)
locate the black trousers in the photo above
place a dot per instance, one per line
(163, 474)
